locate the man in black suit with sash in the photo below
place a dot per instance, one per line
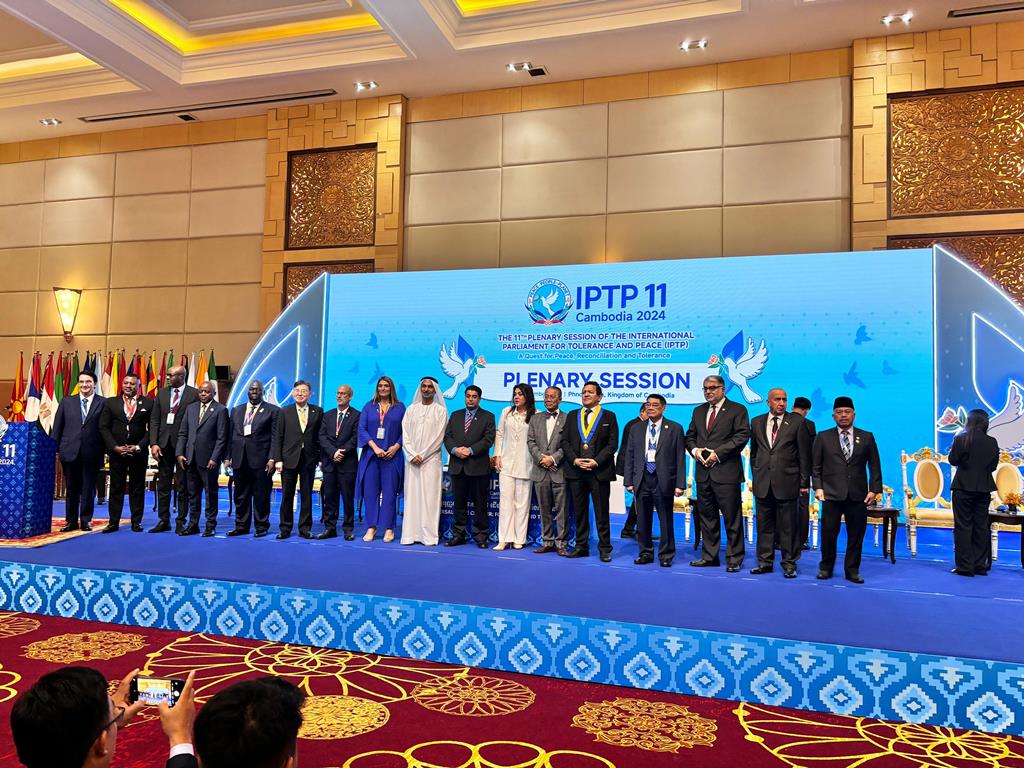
(76, 430)
(252, 434)
(202, 445)
(164, 423)
(339, 432)
(780, 463)
(468, 439)
(718, 431)
(296, 452)
(124, 425)
(802, 406)
(589, 441)
(655, 475)
(840, 463)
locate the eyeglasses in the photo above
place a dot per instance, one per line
(115, 719)
(712, 389)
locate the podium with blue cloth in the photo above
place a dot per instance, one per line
(27, 470)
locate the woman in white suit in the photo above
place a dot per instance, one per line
(512, 460)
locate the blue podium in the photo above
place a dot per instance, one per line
(27, 470)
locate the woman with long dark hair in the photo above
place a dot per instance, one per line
(512, 460)
(381, 461)
(975, 456)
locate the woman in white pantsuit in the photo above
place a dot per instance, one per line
(512, 460)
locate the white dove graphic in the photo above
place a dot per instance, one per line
(749, 366)
(453, 364)
(1007, 426)
(548, 300)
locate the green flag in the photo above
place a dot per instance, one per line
(211, 374)
(73, 383)
(58, 379)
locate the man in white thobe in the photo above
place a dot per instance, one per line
(423, 429)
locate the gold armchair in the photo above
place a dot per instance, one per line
(1009, 480)
(925, 492)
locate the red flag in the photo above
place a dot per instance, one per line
(163, 370)
(47, 403)
(120, 371)
(67, 375)
(16, 409)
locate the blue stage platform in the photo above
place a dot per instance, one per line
(915, 643)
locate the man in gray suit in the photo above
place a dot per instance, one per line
(544, 441)
(202, 445)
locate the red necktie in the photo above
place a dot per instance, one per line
(711, 417)
(175, 396)
(775, 428)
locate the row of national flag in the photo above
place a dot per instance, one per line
(36, 399)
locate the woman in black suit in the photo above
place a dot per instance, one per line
(975, 455)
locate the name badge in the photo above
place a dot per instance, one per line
(651, 452)
(247, 430)
(380, 433)
(170, 419)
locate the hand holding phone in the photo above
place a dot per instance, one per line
(153, 691)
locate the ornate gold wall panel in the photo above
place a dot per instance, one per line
(298, 276)
(377, 122)
(957, 152)
(331, 198)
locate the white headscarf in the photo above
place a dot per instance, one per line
(423, 425)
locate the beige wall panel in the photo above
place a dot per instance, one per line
(81, 344)
(229, 349)
(215, 260)
(21, 183)
(226, 212)
(77, 221)
(577, 188)
(454, 145)
(806, 110)
(147, 310)
(148, 262)
(235, 164)
(147, 343)
(222, 308)
(21, 225)
(694, 233)
(658, 182)
(151, 217)
(817, 227)
(74, 178)
(19, 315)
(20, 267)
(91, 320)
(666, 124)
(452, 246)
(10, 346)
(452, 198)
(552, 135)
(74, 266)
(803, 170)
(153, 170)
(541, 242)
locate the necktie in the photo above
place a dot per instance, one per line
(337, 423)
(202, 412)
(775, 428)
(302, 418)
(847, 446)
(175, 397)
(711, 417)
(85, 409)
(651, 446)
(249, 414)
(129, 407)
(469, 420)
(587, 414)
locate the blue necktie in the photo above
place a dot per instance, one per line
(652, 445)
(847, 448)
(85, 409)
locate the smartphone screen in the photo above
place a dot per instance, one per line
(154, 690)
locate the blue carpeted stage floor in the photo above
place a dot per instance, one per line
(914, 606)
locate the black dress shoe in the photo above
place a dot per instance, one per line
(350, 536)
(823, 575)
(69, 528)
(606, 557)
(958, 572)
(704, 564)
(111, 528)
(305, 535)
(179, 531)
(628, 534)
(455, 542)
(981, 571)
(481, 545)
(281, 535)
(329, 534)
(644, 560)
(761, 569)
(806, 547)
(260, 534)
(192, 530)
(666, 563)
(574, 553)
(85, 525)
(855, 578)
(137, 527)
(789, 573)
(237, 532)
(208, 534)
(160, 528)
(732, 569)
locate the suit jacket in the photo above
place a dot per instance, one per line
(183, 761)
(728, 435)
(538, 445)
(669, 458)
(257, 447)
(291, 442)
(202, 443)
(975, 463)
(620, 459)
(841, 479)
(602, 444)
(345, 439)
(785, 467)
(116, 428)
(479, 437)
(160, 432)
(75, 439)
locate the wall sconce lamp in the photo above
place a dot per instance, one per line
(67, 300)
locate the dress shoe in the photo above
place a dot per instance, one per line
(644, 560)
(574, 553)
(281, 535)
(545, 549)
(666, 562)
(455, 542)
(958, 572)
(349, 536)
(305, 535)
(160, 528)
(370, 533)
(329, 534)
(389, 536)
(179, 531)
(823, 575)
(69, 528)
(855, 578)
(208, 534)
(732, 569)
(789, 573)
(500, 547)
(111, 528)
(606, 557)
(704, 564)
(761, 569)
(806, 547)
(981, 571)
(628, 534)
(137, 527)
(192, 530)
(260, 534)
(237, 532)
(563, 552)
(481, 545)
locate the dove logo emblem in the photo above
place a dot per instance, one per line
(549, 302)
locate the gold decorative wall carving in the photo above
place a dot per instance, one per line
(336, 124)
(957, 152)
(331, 198)
(298, 276)
(997, 255)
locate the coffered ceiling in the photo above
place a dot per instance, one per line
(74, 58)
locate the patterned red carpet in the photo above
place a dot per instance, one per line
(368, 711)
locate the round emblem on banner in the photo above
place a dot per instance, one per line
(549, 302)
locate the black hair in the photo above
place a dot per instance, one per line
(475, 388)
(531, 400)
(593, 384)
(655, 396)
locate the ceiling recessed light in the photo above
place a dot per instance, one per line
(49, 122)
(366, 85)
(519, 66)
(691, 45)
(892, 18)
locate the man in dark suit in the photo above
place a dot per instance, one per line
(718, 431)
(655, 475)
(589, 441)
(840, 463)
(544, 442)
(339, 433)
(296, 452)
(802, 406)
(468, 439)
(76, 430)
(164, 423)
(780, 463)
(252, 433)
(124, 425)
(202, 445)
(629, 527)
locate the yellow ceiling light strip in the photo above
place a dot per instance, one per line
(187, 42)
(47, 65)
(476, 6)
